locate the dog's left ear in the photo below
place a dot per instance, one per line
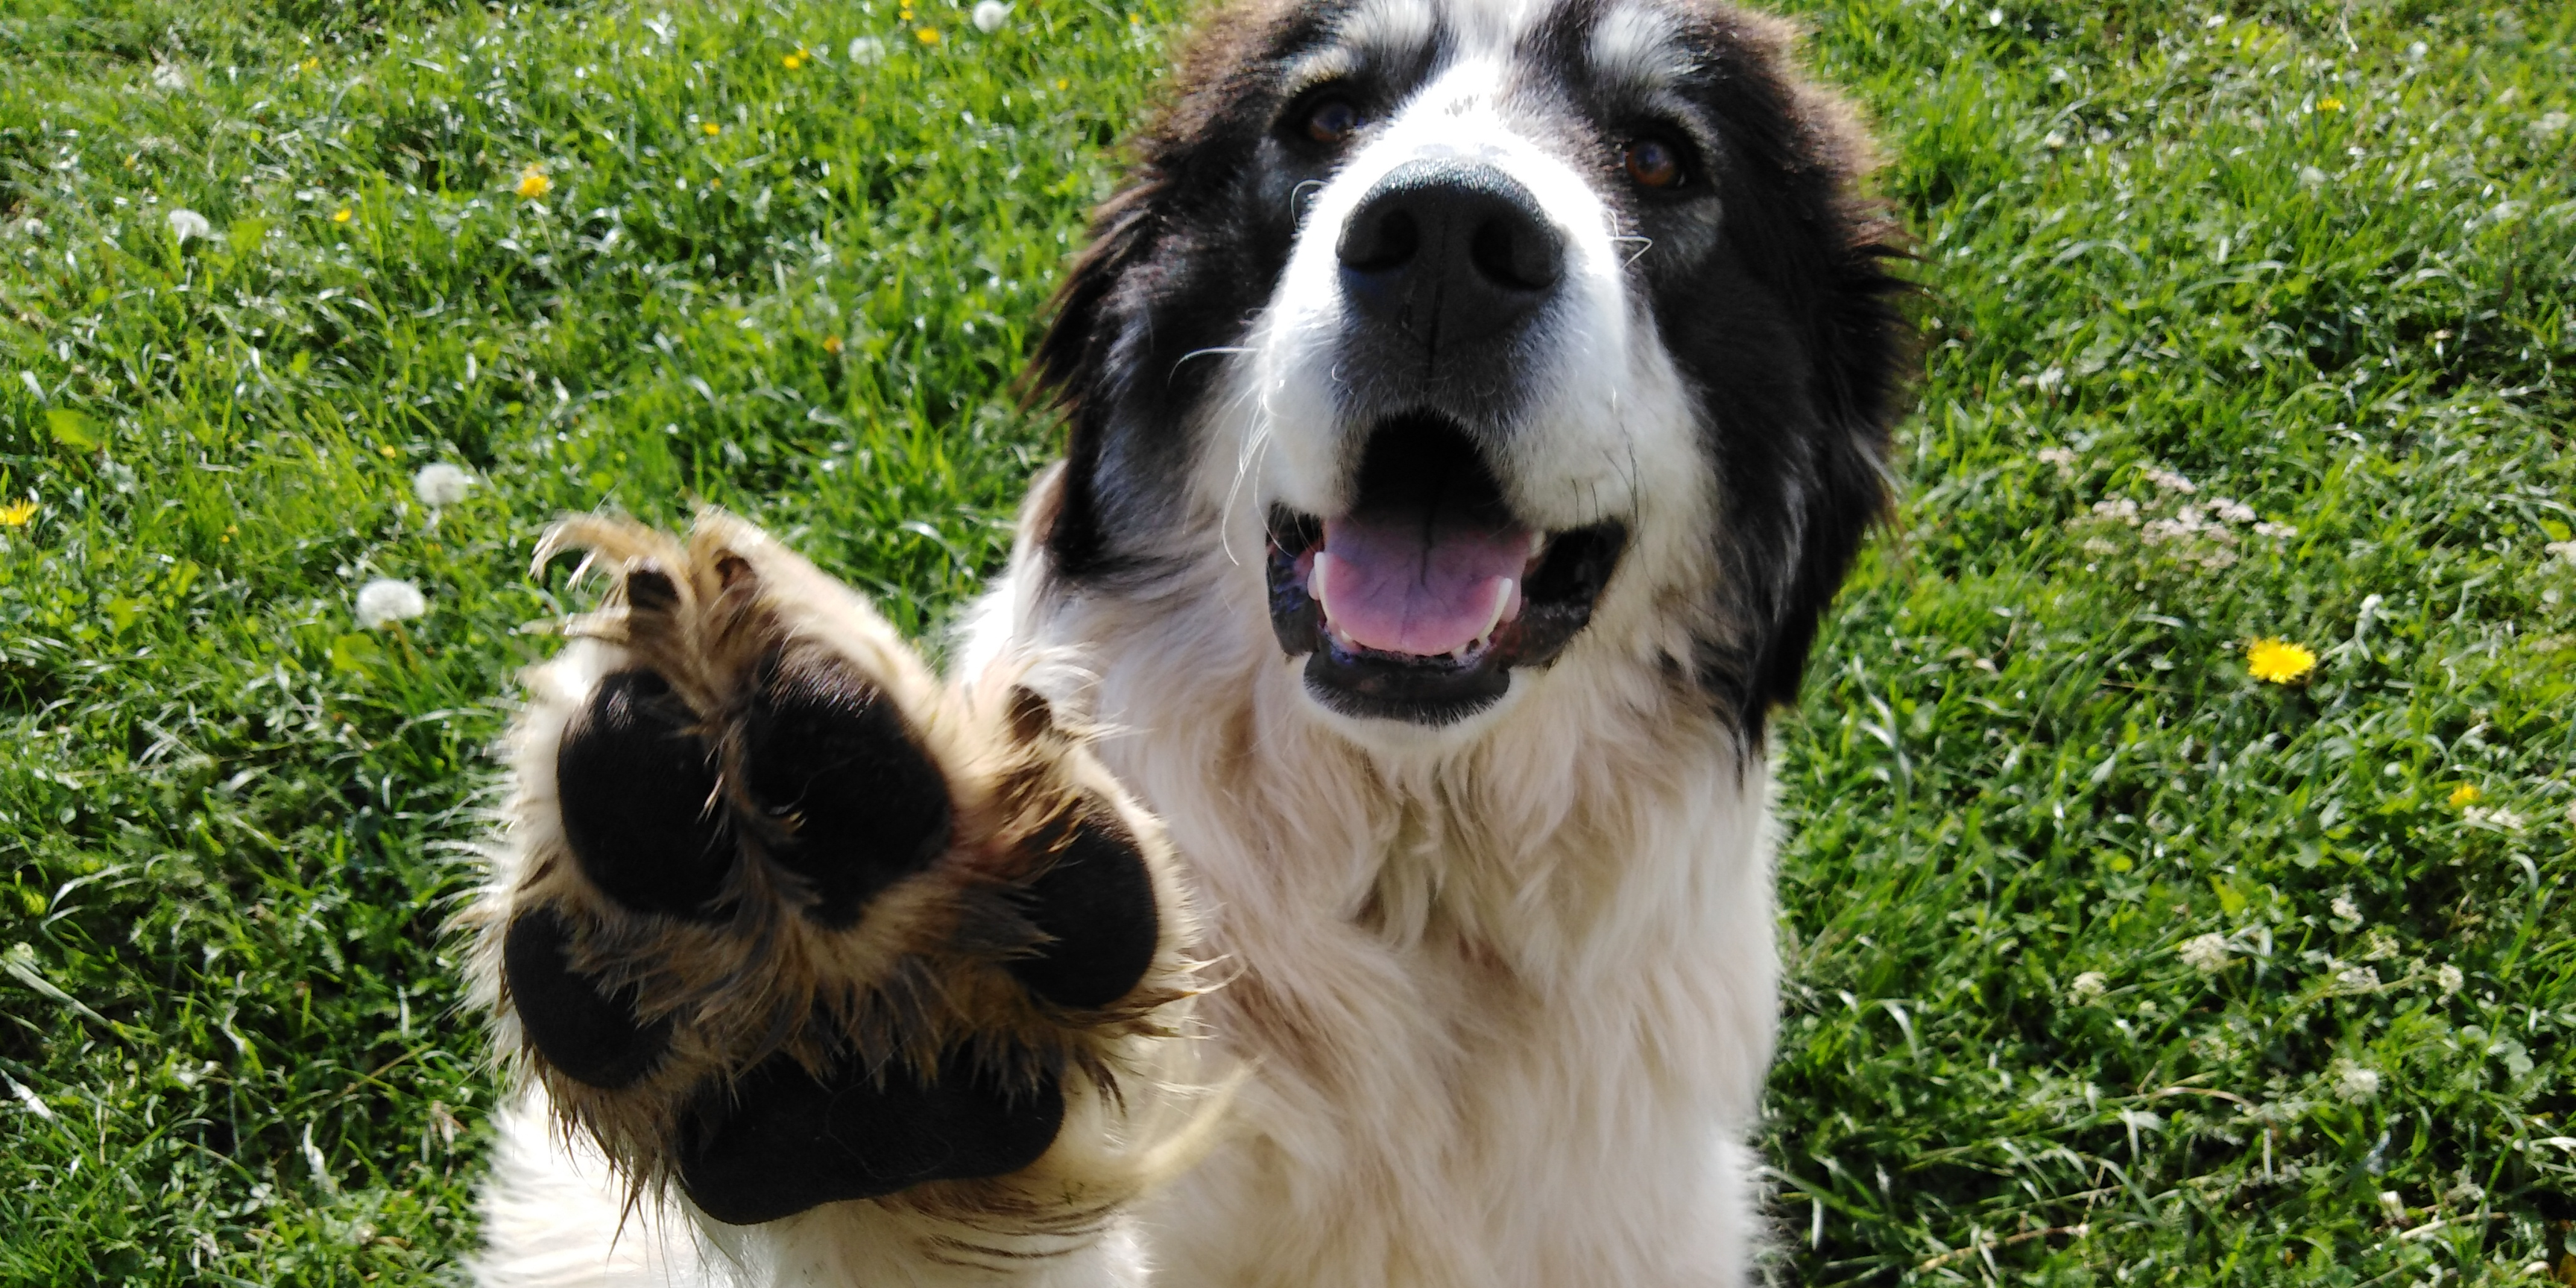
(1809, 495)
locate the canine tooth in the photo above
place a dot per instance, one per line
(1315, 582)
(1502, 600)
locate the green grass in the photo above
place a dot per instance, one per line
(2320, 260)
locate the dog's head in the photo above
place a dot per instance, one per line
(1488, 333)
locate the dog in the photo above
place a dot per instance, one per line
(1339, 854)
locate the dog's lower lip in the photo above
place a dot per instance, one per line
(1550, 602)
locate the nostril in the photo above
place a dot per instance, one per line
(1388, 241)
(1511, 252)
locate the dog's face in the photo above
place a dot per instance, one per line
(1509, 331)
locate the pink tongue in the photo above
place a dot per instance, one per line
(1406, 582)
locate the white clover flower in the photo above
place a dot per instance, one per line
(2450, 979)
(2231, 510)
(2089, 987)
(2172, 482)
(2312, 176)
(2354, 1083)
(441, 484)
(989, 15)
(2563, 549)
(2271, 529)
(186, 223)
(2357, 979)
(2503, 820)
(866, 50)
(2205, 953)
(385, 601)
(2122, 510)
(169, 77)
(2054, 140)
(2345, 909)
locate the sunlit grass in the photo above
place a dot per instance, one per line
(2092, 929)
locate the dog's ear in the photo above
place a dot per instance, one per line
(1866, 355)
(1074, 365)
(1813, 404)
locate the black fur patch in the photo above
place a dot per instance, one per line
(780, 1141)
(592, 1036)
(636, 788)
(1096, 903)
(829, 758)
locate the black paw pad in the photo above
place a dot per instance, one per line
(827, 754)
(592, 1036)
(635, 786)
(783, 1141)
(1096, 902)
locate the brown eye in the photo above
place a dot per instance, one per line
(1333, 121)
(1654, 163)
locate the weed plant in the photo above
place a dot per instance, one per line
(2109, 962)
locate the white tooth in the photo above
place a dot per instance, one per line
(1316, 588)
(1502, 600)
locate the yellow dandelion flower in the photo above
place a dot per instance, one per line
(311, 63)
(926, 35)
(17, 513)
(387, 451)
(715, 183)
(712, 129)
(2329, 104)
(2464, 794)
(831, 344)
(1062, 83)
(2279, 661)
(791, 62)
(340, 216)
(533, 183)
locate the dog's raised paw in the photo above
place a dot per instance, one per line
(786, 922)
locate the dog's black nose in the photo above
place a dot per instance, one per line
(1449, 252)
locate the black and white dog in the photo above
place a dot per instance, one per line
(1340, 857)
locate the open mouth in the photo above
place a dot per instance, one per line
(1417, 603)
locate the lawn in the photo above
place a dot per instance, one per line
(2110, 961)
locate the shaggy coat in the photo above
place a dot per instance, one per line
(1464, 973)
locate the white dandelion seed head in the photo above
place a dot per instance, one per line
(2089, 987)
(989, 15)
(2355, 1083)
(186, 223)
(386, 600)
(2205, 953)
(866, 50)
(441, 484)
(2450, 979)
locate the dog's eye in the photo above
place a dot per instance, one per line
(1653, 163)
(1333, 121)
